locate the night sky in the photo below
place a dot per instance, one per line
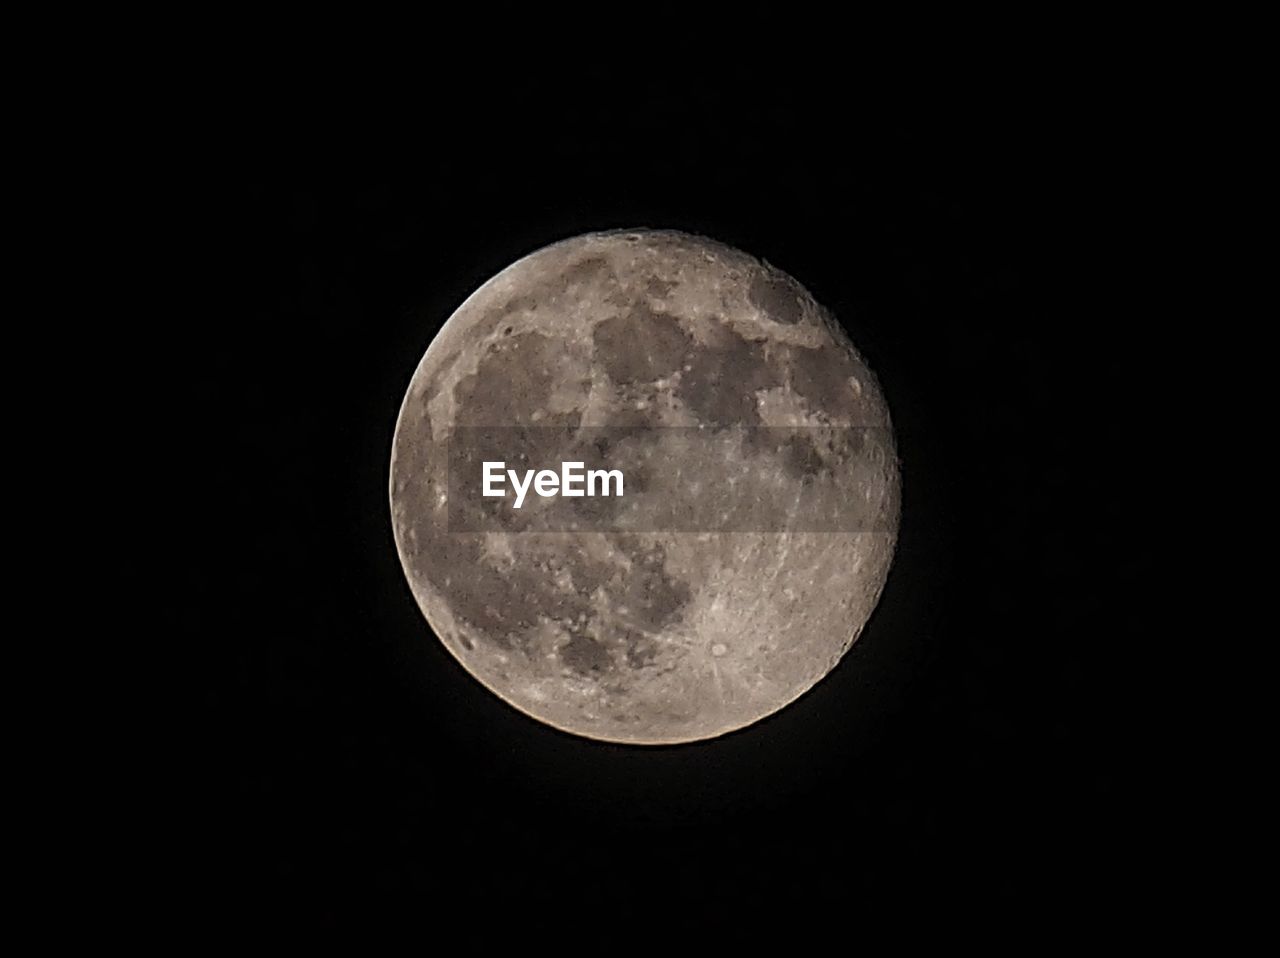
(965, 748)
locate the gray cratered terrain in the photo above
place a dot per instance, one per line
(664, 355)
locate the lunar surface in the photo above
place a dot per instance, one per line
(761, 506)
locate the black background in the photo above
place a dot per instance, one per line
(969, 747)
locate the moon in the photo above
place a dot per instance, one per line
(761, 512)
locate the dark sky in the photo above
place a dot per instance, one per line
(966, 748)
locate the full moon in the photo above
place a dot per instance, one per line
(760, 514)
